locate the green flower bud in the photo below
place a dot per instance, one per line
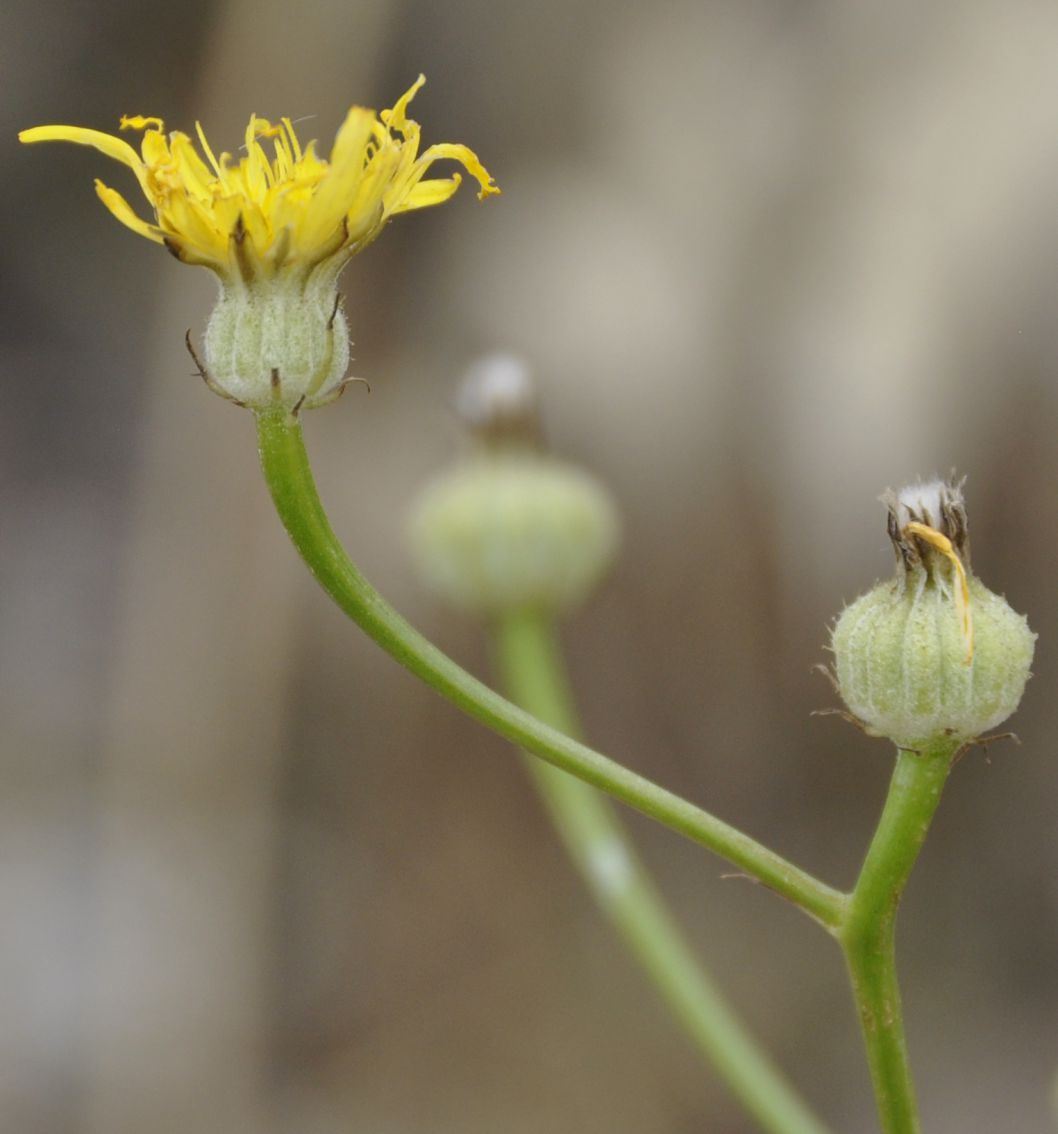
(511, 527)
(278, 340)
(932, 653)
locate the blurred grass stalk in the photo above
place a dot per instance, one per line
(529, 659)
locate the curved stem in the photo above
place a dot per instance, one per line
(289, 476)
(531, 664)
(868, 932)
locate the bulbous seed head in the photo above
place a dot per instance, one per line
(514, 530)
(932, 653)
(510, 527)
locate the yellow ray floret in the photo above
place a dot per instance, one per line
(280, 207)
(962, 590)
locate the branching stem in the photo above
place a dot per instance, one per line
(863, 922)
(289, 477)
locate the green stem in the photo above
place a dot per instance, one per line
(868, 933)
(531, 664)
(289, 477)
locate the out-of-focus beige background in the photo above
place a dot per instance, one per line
(767, 258)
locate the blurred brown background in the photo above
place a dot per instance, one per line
(767, 259)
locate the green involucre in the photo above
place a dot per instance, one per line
(514, 529)
(281, 340)
(900, 656)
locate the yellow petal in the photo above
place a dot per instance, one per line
(470, 162)
(366, 210)
(107, 144)
(254, 167)
(138, 122)
(339, 188)
(124, 212)
(395, 118)
(206, 149)
(155, 147)
(426, 193)
(256, 219)
(295, 145)
(196, 177)
(194, 228)
(350, 143)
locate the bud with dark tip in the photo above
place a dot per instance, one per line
(932, 653)
(510, 527)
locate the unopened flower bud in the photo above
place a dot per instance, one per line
(932, 653)
(510, 527)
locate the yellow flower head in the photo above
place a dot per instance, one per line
(290, 211)
(277, 226)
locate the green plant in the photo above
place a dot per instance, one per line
(930, 660)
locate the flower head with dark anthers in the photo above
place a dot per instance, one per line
(277, 225)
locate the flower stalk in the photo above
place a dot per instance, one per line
(289, 477)
(867, 934)
(529, 659)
